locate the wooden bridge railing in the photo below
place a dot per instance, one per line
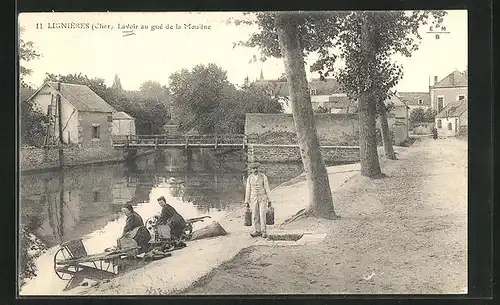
(181, 140)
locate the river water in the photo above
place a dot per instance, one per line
(85, 202)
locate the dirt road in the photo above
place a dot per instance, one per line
(406, 233)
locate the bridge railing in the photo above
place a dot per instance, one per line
(177, 140)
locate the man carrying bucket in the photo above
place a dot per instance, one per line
(258, 194)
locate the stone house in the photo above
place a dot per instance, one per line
(416, 100)
(340, 103)
(85, 118)
(453, 119)
(398, 119)
(453, 87)
(321, 92)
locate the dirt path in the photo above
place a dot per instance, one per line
(406, 233)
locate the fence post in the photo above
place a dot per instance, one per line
(156, 142)
(216, 141)
(187, 140)
(127, 139)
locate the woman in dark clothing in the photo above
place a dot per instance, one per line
(134, 227)
(434, 133)
(170, 217)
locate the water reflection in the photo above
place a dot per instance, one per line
(86, 201)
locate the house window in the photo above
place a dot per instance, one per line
(461, 97)
(96, 196)
(420, 102)
(450, 126)
(312, 91)
(96, 132)
(440, 124)
(110, 119)
(440, 104)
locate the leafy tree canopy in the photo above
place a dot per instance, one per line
(337, 35)
(27, 52)
(211, 104)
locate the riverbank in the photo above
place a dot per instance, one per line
(199, 258)
(404, 234)
(38, 160)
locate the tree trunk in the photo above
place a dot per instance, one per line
(320, 196)
(370, 166)
(386, 135)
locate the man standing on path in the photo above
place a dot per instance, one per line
(258, 194)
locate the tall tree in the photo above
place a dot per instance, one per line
(32, 119)
(368, 73)
(386, 134)
(117, 84)
(288, 35)
(197, 94)
(149, 109)
(366, 42)
(27, 52)
(209, 103)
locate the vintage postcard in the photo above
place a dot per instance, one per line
(231, 153)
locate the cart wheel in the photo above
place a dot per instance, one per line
(60, 273)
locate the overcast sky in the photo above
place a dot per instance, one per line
(154, 55)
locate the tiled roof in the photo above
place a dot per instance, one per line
(453, 109)
(328, 87)
(120, 115)
(396, 101)
(338, 102)
(454, 79)
(82, 98)
(412, 98)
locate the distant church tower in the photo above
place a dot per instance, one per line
(261, 74)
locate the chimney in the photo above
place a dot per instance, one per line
(435, 80)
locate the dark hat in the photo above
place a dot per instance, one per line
(254, 165)
(128, 206)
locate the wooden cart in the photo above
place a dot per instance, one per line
(72, 258)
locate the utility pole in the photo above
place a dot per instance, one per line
(59, 112)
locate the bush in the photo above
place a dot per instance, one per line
(422, 130)
(33, 124)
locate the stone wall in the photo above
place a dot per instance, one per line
(39, 158)
(333, 128)
(86, 122)
(291, 153)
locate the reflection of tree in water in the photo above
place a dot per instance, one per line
(207, 193)
(30, 247)
(177, 190)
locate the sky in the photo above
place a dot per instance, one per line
(103, 49)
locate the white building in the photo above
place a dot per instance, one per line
(123, 124)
